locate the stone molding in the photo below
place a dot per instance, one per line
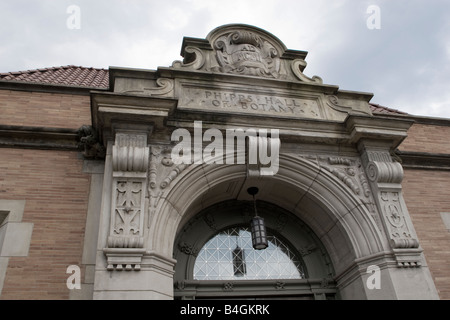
(317, 288)
(424, 160)
(45, 138)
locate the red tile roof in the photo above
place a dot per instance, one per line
(376, 108)
(99, 78)
(66, 75)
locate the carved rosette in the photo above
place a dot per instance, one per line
(130, 157)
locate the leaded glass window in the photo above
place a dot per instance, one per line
(229, 255)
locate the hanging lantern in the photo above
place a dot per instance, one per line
(257, 226)
(259, 236)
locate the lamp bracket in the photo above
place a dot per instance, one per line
(252, 191)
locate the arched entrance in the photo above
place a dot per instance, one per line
(339, 220)
(334, 173)
(215, 258)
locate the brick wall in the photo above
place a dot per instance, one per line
(55, 190)
(427, 138)
(22, 108)
(427, 194)
(56, 193)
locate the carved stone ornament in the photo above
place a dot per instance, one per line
(349, 171)
(126, 229)
(163, 88)
(89, 144)
(188, 249)
(279, 285)
(385, 177)
(247, 53)
(244, 50)
(307, 250)
(130, 157)
(228, 286)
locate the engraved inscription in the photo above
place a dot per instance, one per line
(233, 101)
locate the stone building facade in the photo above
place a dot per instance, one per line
(127, 175)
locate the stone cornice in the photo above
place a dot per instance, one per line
(418, 119)
(392, 131)
(38, 138)
(424, 160)
(110, 109)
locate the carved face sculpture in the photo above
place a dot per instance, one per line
(246, 53)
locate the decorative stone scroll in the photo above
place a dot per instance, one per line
(130, 157)
(163, 88)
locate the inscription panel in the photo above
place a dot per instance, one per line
(240, 101)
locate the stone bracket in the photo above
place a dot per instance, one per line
(130, 158)
(385, 177)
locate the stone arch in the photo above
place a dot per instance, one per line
(339, 218)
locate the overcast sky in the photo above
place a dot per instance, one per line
(400, 53)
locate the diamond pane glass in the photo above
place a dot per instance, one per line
(230, 256)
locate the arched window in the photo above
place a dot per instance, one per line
(229, 255)
(216, 260)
